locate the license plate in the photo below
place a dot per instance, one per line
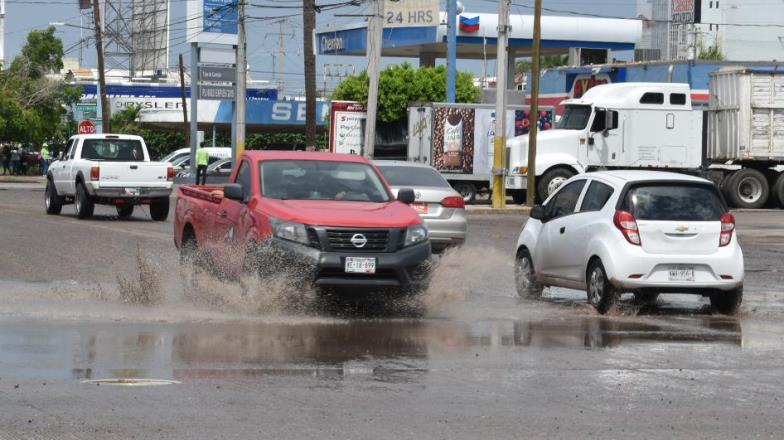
(681, 273)
(420, 208)
(360, 265)
(131, 191)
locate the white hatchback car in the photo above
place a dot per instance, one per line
(645, 232)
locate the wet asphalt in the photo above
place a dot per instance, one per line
(469, 360)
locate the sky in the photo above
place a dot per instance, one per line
(22, 16)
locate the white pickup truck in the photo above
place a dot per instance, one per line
(108, 169)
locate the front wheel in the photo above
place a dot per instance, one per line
(159, 209)
(525, 276)
(550, 181)
(727, 303)
(601, 294)
(53, 202)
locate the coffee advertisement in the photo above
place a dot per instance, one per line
(453, 140)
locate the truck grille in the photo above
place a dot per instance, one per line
(341, 240)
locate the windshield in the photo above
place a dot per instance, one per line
(674, 202)
(321, 180)
(116, 150)
(575, 117)
(413, 176)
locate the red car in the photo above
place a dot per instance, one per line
(329, 219)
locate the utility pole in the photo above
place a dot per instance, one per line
(2, 34)
(278, 63)
(499, 158)
(105, 115)
(242, 77)
(534, 116)
(451, 51)
(309, 24)
(185, 126)
(374, 42)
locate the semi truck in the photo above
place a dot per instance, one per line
(457, 140)
(738, 142)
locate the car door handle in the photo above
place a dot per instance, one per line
(134, 167)
(563, 229)
(223, 214)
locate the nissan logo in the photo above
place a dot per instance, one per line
(359, 240)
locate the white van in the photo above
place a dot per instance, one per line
(217, 152)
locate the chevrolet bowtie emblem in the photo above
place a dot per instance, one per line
(682, 228)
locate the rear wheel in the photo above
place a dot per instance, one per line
(53, 202)
(550, 181)
(778, 190)
(728, 302)
(124, 211)
(525, 276)
(601, 294)
(159, 209)
(83, 203)
(518, 196)
(747, 189)
(467, 190)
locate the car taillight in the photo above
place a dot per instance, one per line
(453, 202)
(727, 226)
(95, 173)
(170, 174)
(626, 222)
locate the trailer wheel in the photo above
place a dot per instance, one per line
(778, 190)
(467, 190)
(519, 196)
(747, 189)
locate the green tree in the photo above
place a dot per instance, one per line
(546, 62)
(711, 53)
(32, 104)
(402, 84)
(159, 142)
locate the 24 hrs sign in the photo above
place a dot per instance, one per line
(411, 13)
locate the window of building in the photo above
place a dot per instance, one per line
(652, 98)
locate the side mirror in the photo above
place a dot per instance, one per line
(537, 213)
(61, 156)
(406, 195)
(233, 191)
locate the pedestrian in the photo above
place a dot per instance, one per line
(15, 161)
(23, 158)
(5, 156)
(202, 160)
(45, 158)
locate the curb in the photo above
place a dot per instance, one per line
(482, 210)
(22, 179)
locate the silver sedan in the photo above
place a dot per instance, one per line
(441, 207)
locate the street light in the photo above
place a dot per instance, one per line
(81, 33)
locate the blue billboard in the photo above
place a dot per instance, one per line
(221, 16)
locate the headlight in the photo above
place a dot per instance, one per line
(415, 234)
(520, 170)
(290, 231)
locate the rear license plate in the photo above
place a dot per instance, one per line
(132, 191)
(681, 273)
(360, 265)
(420, 208)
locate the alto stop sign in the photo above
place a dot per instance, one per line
(86, 127)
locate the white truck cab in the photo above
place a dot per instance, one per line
(108, 169)
(624, 125)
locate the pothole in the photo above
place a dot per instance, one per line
(130, 382)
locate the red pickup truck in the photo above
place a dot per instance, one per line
(332, 214)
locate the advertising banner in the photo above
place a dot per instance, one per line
(411, 13)
(347, 127)
(453, 140)
(212, 21)
(686, 11)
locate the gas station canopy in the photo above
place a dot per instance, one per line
(477, 36)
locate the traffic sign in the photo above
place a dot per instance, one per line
(215, 92)
(87, 127)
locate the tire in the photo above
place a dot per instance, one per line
(550, 181)
(747, 189)
(467, 190)
(159, 209)
(525, 276)
(83, 203)
(189, 248)
(53, 202)
(124, 211)
(778, 190)
(601, 294)
(727, 303)
(518, 196)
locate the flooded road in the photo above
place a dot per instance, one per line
(216, 359)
